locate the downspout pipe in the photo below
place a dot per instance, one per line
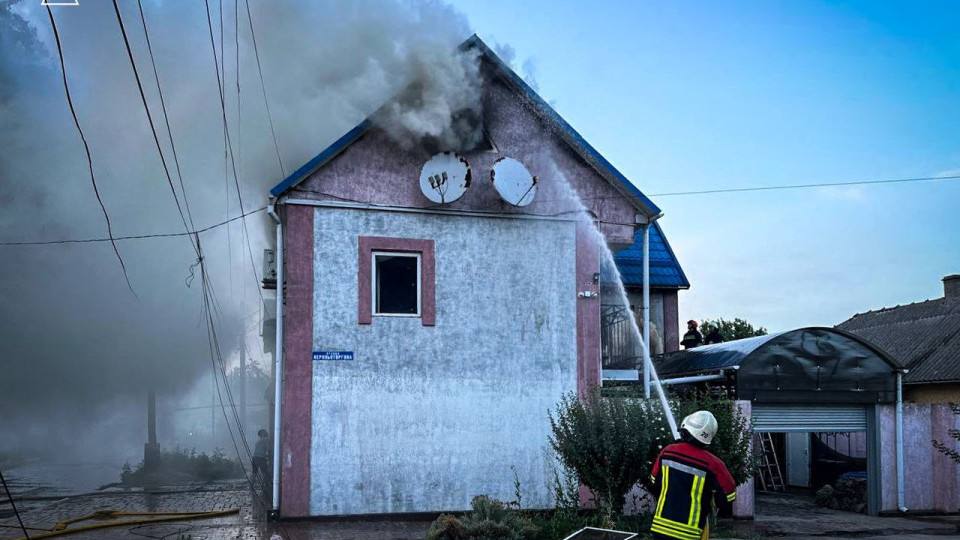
(278, 363)
(901, 504)
(646, 310)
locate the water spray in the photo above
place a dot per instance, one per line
(597, 236)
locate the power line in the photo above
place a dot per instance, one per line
(263, 89)
(86, 147)
(13, 504)
(153, 128)
(803, 186)
(223, 109)
(166, 117)
(134, 237)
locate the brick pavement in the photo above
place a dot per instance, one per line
(242, 526)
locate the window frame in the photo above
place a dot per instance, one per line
(365, 298)
(375, 287)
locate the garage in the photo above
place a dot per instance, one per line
(813, 396)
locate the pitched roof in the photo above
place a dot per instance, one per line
(924, 337)
(665, 270)
(589, 154)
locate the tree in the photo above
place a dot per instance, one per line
(732, 330)
(947, 449)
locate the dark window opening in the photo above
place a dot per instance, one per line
(396, 283)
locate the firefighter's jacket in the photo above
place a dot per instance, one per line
(687, 482)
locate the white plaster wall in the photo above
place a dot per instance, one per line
(427, 417)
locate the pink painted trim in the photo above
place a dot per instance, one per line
(368, 244)
(296, 424)
(588, 312)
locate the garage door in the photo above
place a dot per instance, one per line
(792, 418)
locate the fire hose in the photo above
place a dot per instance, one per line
(63, 527)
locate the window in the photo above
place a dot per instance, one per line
(396, 284)
(396, 278)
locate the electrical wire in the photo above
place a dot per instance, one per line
(86, 147)
(166, 117)
(263, 89)
(804, 186)
(223, 109)
(153, 128)
(14, 505)
(133, 237)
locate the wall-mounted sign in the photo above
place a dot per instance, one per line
(336, 356)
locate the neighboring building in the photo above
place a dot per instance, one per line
(666, 278)
(424, 343)
(824, 402)
(924, 337)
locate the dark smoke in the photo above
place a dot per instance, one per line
(79, 351)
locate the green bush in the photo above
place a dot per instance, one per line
(180, 465)
(490, 520)
(610, 443)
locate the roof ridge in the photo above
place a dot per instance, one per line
(898, 306)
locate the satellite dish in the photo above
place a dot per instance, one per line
(513, 182)
(445, 177)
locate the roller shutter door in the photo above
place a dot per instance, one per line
(787, 418)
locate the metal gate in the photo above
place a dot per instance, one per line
(808, 418)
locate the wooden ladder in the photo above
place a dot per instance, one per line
(771, 478)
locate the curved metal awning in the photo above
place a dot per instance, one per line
(806, 365)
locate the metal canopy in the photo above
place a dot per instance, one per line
(808, 365)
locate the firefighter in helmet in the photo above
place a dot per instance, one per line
(689, 482)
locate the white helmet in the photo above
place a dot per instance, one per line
(701, 425)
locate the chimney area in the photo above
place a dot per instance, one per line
(951, 286)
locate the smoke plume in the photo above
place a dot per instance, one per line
(79, 351)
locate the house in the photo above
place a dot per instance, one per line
(924, 337)
(423, 341)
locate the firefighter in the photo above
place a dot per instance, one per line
(689, 481)
(713, 334)
(692, 338)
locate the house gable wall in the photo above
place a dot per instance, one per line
(374, 169)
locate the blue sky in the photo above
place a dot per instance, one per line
(706, 95)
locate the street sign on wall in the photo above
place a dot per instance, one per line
(333, 356)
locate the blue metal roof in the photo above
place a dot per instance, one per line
(589, 153)
(665, 270)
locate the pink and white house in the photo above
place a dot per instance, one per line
(423, 344)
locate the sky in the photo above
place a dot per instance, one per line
(679, 97)
(691, 96)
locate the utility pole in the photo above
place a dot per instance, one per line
(151, 450)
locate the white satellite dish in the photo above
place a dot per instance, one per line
(445, 177)
(513, 182)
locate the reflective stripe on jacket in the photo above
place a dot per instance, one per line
(687, 482)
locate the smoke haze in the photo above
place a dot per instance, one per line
(79, 351)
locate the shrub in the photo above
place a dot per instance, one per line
(610, 443)
(490, 520)
(181, 465)
(607, 443)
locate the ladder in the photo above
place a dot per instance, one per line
(771, 478)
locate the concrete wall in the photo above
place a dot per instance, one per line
(427, 417)
(932, 481)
